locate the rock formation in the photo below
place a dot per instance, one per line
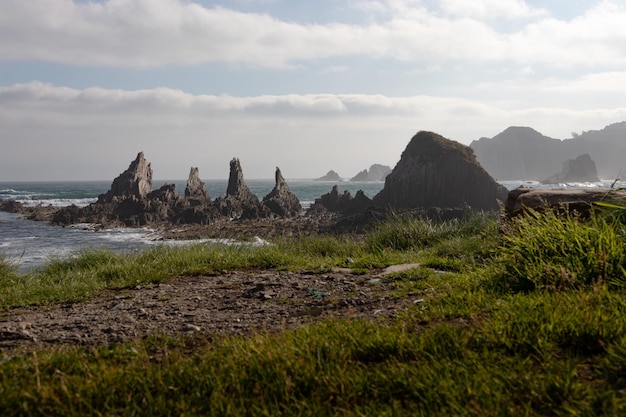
(343, 204)
(240, 203)
(579, 169)
(281, 201)
(376, 172)
(136, 182)
(358, 204)
(332, 201)
(330, 176)
(437, 172)
(130, 201)
(196, 192)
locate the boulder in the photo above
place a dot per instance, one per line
(281, 201)
(437, 172)
(330, 176)
(195, 192)
(136, 181)
(578, 201)
(579, 169)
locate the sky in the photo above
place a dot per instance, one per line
(307, 86)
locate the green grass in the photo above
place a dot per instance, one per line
(494, 331)
(545, 251)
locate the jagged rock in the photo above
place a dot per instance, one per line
(330, 176)
(196, 192)
(281, 200)
(136, 181)
(579, 169)
(437, 172)
(332, 201)
(359, 204)
(579, 201)
(240, 203)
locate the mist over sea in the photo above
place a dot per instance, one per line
(29, 244)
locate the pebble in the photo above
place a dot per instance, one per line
(188, 327)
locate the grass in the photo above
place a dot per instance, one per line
(495, 332)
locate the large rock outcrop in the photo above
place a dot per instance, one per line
(130, 201)
(437, 172)
(281, 201)
(579, 169)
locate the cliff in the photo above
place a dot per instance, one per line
(522, 153)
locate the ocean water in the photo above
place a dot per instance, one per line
(29, 244)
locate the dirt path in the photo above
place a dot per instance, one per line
(232, 303)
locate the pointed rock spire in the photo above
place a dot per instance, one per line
(196, 191)
(281, 200)
(236, 185)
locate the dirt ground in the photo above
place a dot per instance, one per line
(232, 303)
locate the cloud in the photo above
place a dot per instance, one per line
(491, 9)
(306, 135)
(156, 33)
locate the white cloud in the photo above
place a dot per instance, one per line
(152, 33)
(303, 134)
(491, 9)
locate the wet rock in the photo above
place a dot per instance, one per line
(437, 172)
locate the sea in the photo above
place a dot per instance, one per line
(30, 244)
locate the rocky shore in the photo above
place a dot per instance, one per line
(435, 177)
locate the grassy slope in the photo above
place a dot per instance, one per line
(530, 323)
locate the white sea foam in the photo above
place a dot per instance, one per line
(56, 202)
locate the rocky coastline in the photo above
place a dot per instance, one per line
(435, 177)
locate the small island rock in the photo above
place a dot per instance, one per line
(330, 176)
(579, 169)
